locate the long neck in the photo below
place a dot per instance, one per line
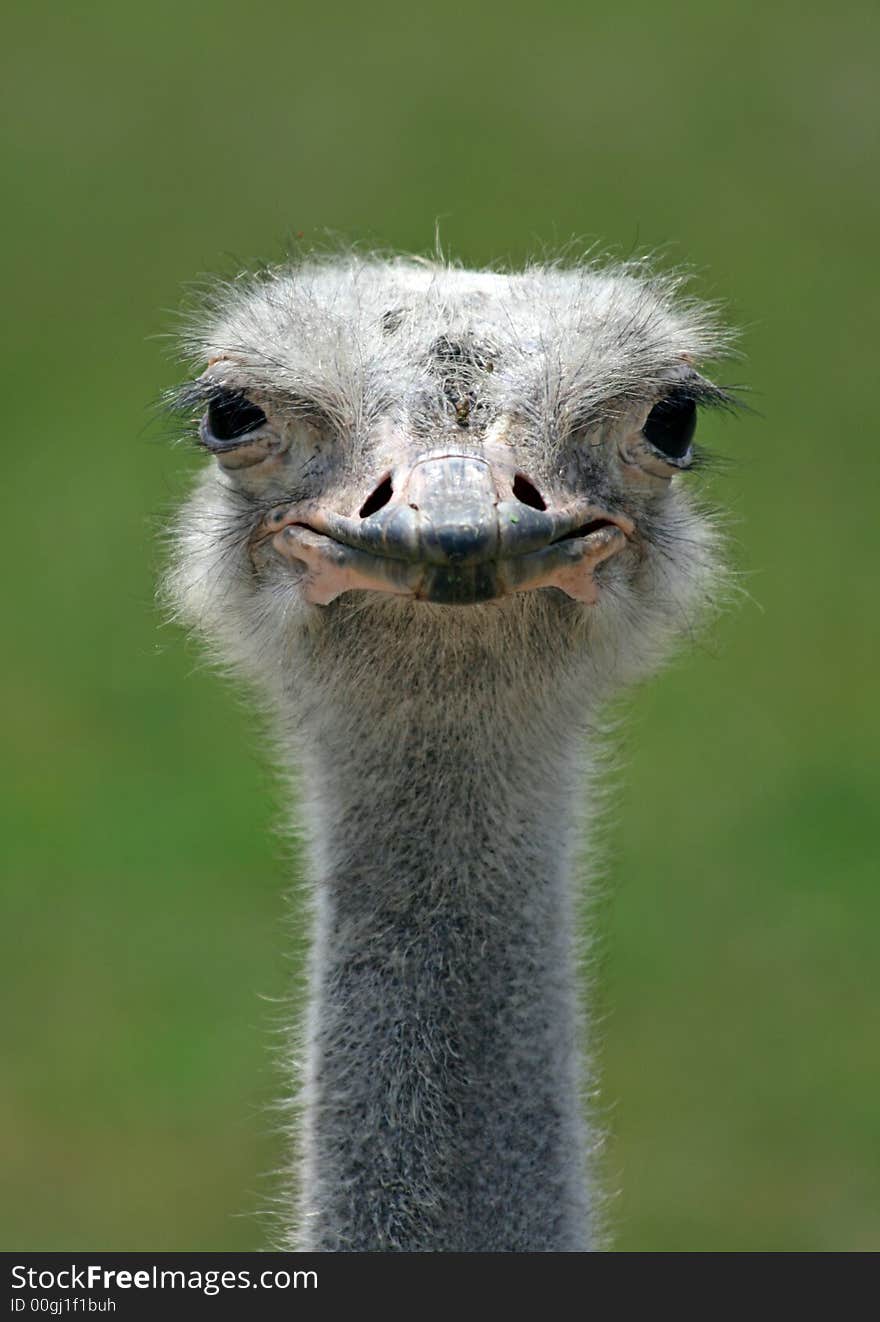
(442, 1099)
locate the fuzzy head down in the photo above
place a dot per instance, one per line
(571, 394)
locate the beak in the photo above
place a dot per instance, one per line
(454, 529)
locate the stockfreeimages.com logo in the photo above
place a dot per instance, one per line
(96, 1277)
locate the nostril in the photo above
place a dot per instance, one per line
(380, 497)
(527, 493)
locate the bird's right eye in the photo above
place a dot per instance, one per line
(230, 416)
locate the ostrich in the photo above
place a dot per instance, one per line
(443, 524)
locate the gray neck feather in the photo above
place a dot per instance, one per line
(442, 1097)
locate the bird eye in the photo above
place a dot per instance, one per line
(230, 416)
(670, 425)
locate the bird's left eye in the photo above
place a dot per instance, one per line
(230, 416)
(670, 426)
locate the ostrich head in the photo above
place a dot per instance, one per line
(408, 451)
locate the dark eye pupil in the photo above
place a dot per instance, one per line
(231, 414)
(671, 424)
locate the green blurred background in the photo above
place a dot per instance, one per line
(144, 948)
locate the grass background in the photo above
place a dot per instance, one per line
(143, 884)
